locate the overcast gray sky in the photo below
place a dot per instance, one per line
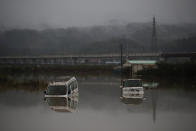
(66, 13)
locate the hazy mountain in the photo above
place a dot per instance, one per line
(180, 45)
(95, 39)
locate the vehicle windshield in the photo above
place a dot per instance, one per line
(132, 83)
(57, 101)
(57, 90)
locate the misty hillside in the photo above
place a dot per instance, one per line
(180, 45)
(96, 39)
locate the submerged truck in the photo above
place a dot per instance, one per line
(62, 88)
(132, 89)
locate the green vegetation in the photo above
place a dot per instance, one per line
(36, 77)
(185, 70)
(7, 83)
(96, 39)
(180, 45)
(56, 69)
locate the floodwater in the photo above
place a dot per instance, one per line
(99, 108)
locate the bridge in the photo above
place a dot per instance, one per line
(93, 58)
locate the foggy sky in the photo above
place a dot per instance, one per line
(66, 13)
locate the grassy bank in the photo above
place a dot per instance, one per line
(36, 77)
(185, 70)
(56, 69)
(30, 85)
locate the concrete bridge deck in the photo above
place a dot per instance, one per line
(90, 59)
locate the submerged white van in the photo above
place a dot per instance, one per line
(63, 88)
(132, 88)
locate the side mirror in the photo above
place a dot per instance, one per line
(45, 92)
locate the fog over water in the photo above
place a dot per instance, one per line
(65, 13)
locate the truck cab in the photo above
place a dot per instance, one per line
(63, 88)
(132, 88)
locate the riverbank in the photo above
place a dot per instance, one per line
(185, 70)
(56, 69)
(36, 78)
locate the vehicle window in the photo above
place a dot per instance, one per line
(69, 89)
(132, 83)
(57, 101)
(56, 90)
(75, 85)
(72, 86)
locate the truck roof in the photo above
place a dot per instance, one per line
(61, 80)
(133, 79)
(57, 83)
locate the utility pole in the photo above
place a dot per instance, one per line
(121, 61)
(127, 52)
(154, 37)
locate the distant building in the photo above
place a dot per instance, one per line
(138, 65)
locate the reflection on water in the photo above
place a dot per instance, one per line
(62, 104)
(99, 108)
(132, 100)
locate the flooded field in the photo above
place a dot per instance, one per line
(97, 108)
